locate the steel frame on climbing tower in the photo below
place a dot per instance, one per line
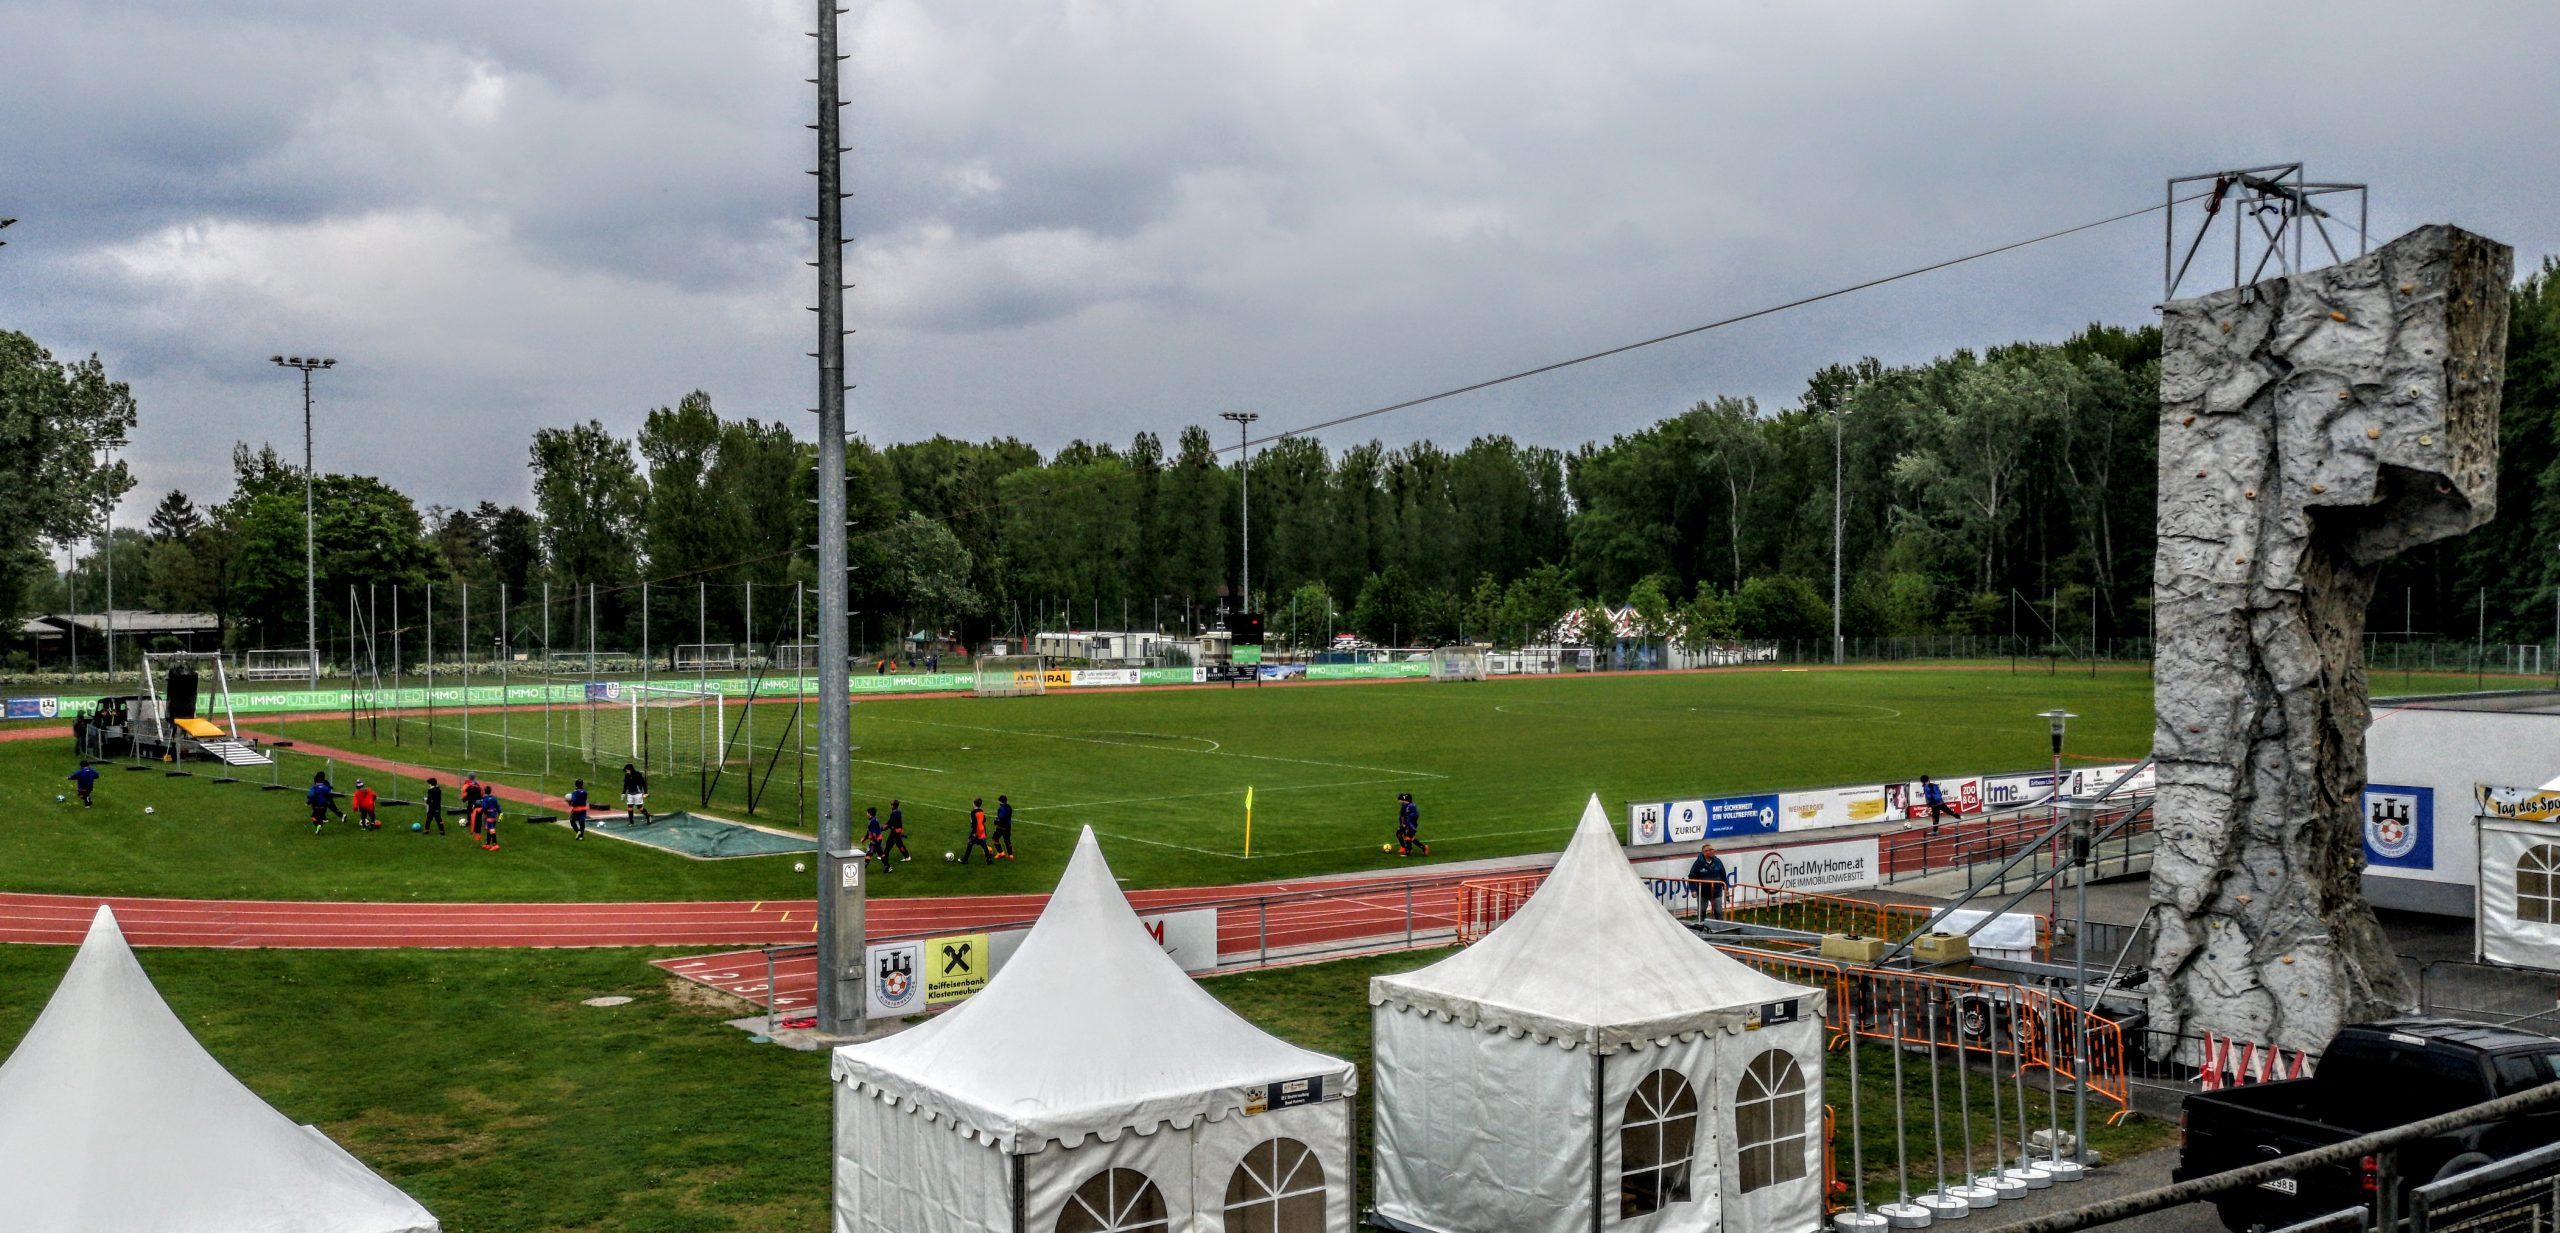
(2270, 209)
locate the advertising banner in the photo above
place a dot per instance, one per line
(1907, 800)
(2012, 791)
(2092, 780)
(2527, 804)
(1821, 807)
(2400, 826)
(1837, 865)
(1342, 672)
(33, 708)
(1645, 823)
(892, 987)
(1756, 814)
(955, 967)
(1103, 676)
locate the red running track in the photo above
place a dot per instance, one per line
(1278, 915)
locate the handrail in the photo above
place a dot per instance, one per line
(2061, 822)
(2196, 1189)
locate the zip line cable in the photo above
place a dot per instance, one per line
(1489, 383)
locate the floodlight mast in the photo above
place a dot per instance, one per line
(840, 998)
(310, 554)
(1243, 420)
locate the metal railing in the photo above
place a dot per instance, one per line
(2487, 993)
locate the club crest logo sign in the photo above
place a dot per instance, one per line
(1648, 825)
(2399, 826)
(894, 977)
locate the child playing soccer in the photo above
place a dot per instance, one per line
(578, 809)
(367, 807)
(1004, 829)
(488, 821)
(1409, 826)
(875, 841)
(435, 807)
(977, 833)
(323, 800)
(87, 780)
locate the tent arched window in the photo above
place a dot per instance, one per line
(1769, 1122)
(1657, 1139)
(1277, 1188)
(2538, 885)
(1115, 1201)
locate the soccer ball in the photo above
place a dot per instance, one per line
(950, 856)
(1386, 847)
(59, 798)
(799, 866)
(150, 809)
(417, 827)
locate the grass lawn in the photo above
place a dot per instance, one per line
(479, 1083)
(1499, 767)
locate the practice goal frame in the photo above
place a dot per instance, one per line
(1010, 676)
(646, 702)
(795, 656)
(1457, 663)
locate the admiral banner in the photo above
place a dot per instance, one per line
(2522, 804)
(1821, 807)
(2400, 826)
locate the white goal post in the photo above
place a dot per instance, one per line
(1011, 676)
(656, 720)
(707, 655)
(295, 664)
(1457, 663)
(795, 656)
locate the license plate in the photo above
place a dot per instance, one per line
(2283, 1185)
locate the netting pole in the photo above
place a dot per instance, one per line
(506, 649)
(800, 730)
(399, 682)
(430, 673)
(640, 731)
(701, 679)
(352, 673)
(546, 681)
(466, 672)
(590, 724)
(755, 686)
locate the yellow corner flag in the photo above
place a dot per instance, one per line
(1248, 820)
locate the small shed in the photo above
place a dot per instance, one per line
(113, 1117)
(1593, 1065)
(1091, 1087)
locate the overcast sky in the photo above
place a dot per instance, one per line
(1093, 219)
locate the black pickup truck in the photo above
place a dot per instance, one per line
(2372, 1076)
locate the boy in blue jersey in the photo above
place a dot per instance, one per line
(875, 841)
(323, 800)
(488, 821)
(87, 780)
(1409, 826)
(578, 809)
(1004, 829)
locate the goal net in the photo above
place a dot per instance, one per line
(1457, 663)
(285, 665)
(672, 729)
(1011, 676)
(702, 655)
(795, 656)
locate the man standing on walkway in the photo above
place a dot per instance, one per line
(1004, 828)
(1711, 878)
(1935, 798)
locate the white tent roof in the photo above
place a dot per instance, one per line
(112, 1117)
(1592, 959)
(1089, 1029)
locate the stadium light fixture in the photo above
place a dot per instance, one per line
(1243, 420)
(4, 223)
(310, 554)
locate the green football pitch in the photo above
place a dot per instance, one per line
(1499, 768)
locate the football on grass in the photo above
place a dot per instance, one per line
(950, 856)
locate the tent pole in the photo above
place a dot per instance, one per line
(1599, 1136)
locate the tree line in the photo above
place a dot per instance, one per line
(2005, 491)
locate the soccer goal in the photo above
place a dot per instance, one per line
(711, 656)
(1011, 676)
(296, 664)
(795, 656)
(673, 728)
(1457, 663)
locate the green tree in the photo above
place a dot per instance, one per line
(364, 534)
(588, 490)
(1782, 607)
(58, 422)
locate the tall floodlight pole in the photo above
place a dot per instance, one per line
(840, 893)
(1243, 420)
(1839, 651)
(310, 556)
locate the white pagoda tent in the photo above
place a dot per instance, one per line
(1091, 1087)
(114, 1120)
(1592, 1065)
